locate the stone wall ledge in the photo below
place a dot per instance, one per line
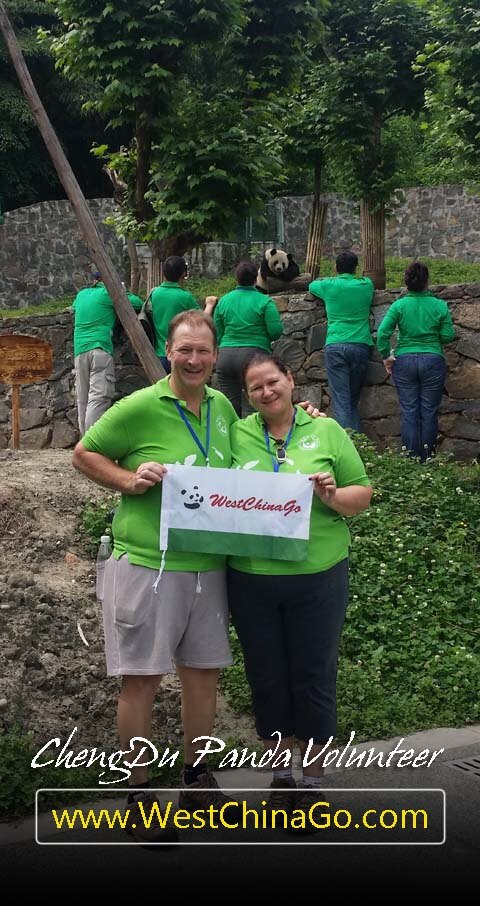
(48, 413)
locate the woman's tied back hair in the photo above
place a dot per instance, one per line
(416, 277)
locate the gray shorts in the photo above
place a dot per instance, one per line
(185, 621)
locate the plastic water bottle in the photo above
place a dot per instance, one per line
(104, 554)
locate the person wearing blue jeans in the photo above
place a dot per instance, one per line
(419, 380)
(417, 365)
(346, 365)
(347, 300)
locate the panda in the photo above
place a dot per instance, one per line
(276, 263)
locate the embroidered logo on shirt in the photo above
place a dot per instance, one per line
(309, 443)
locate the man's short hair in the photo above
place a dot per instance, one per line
(174, 268)
(346, 263)
(193, 318)
(246, 273)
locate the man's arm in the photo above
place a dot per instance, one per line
(109, 474)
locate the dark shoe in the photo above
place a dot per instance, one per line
(146, 820)
(204, 793)
(301, 815)
(282, 799)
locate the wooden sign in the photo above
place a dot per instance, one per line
(23, 360)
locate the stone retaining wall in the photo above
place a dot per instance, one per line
(48, 414)
(43, 256)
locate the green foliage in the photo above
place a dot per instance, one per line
(441, 271)
(410, 649)
(26, 172)
(45, 308)
(95, 520)
(20, 781)
(451, 63)
(367, 79)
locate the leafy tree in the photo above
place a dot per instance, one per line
(191, 81)
(451, 60)
(26, 173)
(362, 79)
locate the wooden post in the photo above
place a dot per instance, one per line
(372, 228)
(15, 416)
(88, 227)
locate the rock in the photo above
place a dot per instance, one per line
(36, 438)
(297, 321)
(469, 346)
(316, 337)
(465, 381)
(310, 392)
(461, 427)
(32, 418)
(468, 315)
(302, 303)
(4, 413)
(71, 559)
(3, 704)
(33, 661)
(378, 402)
(376, 374)
(281, 302)
(291, 351)
(64, 435)
(461, 449)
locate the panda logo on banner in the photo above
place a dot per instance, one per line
(194, 500)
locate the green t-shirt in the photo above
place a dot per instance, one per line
(95, 319)
(347, 301)
(424, 325)
(316, 445)
(246, 317)
(168, 300)
(146, 426)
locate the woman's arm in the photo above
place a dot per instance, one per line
(345, 501)
(273, 321)
(109, 474)
(385, 330)
(447, 330)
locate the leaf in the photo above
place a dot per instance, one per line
(251, 464)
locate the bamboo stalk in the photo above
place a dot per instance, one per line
(88, 227)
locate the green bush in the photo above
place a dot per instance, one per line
(95, 520)
(410, 649)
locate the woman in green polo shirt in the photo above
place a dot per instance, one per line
(289, 615)
(246, 320)
(418, 366)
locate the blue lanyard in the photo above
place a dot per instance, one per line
(276, 465)
(194, 433)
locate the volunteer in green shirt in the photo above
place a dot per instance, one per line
(418, 365)
(246, 320)
(289, 616)
(347, 301)
(169, 299)
(151, 616)
(94, 320)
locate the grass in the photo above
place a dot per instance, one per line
(441, 271)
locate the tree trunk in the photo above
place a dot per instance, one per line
(372, 229)
(134, 266)
(143, 138)
(88, 227)
(316, 228)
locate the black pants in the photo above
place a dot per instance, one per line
(230, 362)
(289, 628)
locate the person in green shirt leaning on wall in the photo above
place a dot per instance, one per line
(417, 365)
(94, 321)
(169, 299)
(347, 301)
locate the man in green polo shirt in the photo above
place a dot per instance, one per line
(94, 320)
(172, 608)
(347, 301)
(169, 299)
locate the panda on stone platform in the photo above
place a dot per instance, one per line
(277, 264)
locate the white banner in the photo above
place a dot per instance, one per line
(235, 511)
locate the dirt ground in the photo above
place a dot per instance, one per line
(50, 680)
